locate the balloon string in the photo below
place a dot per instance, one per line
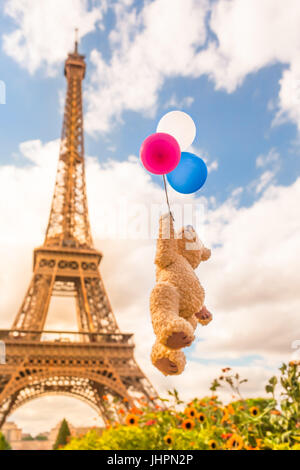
(166, 191)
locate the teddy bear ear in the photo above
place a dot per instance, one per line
(189, 233)
(205, 255)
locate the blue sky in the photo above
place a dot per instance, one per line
(234, 66)
(232, 128)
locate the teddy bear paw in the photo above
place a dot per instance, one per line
(166, 366)
(204, 316)
(179, 340)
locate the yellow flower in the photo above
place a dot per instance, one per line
(201, 417)
(235, 442)
(254, 411)
(168, 440)
(191, 412)
(213, 445)
(188, 424)
(131, 420)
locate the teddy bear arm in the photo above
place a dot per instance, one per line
(166, 247)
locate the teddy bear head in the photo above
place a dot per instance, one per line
(190, 246)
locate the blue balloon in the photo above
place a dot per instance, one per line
(189, 175)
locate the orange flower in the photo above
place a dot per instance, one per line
(213, 418)
(258, 442)
(135, 410)
(192, 444)
(121, 411)
(188, 424)
(225, 415)
(201, 417)
(157, 407)
(230, 409)
(235, 442)
(104, 397)
(275, 412)
(131, 420)
(191, 412)
(125, 400)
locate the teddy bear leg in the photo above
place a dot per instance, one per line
(204, 316)
(171, 330)
(167, 361)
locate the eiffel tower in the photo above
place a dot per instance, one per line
(95, 364)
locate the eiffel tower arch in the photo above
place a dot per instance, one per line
(95, 364)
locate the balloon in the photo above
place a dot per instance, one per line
(160, 153)
(180, 125)
(190, 174)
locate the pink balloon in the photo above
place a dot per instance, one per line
(160, 153)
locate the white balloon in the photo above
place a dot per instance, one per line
(180, 125)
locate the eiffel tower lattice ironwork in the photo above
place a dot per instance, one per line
(95, 364)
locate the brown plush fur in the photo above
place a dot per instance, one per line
(177, 300)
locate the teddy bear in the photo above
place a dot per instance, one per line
(177, 300)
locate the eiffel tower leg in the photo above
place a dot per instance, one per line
(93, 298)
(33, 311)
(4, 412)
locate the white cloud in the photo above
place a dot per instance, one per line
(251, 281)
(248, 36)
(45, 30)
(145, 53)
(272, 156)
(251, 34)
(175, 102)
(264, 180)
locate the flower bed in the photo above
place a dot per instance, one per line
(207, 424)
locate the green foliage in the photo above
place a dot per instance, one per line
(40, 437)
(62, 436)
(250, 424)
(4, 445)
